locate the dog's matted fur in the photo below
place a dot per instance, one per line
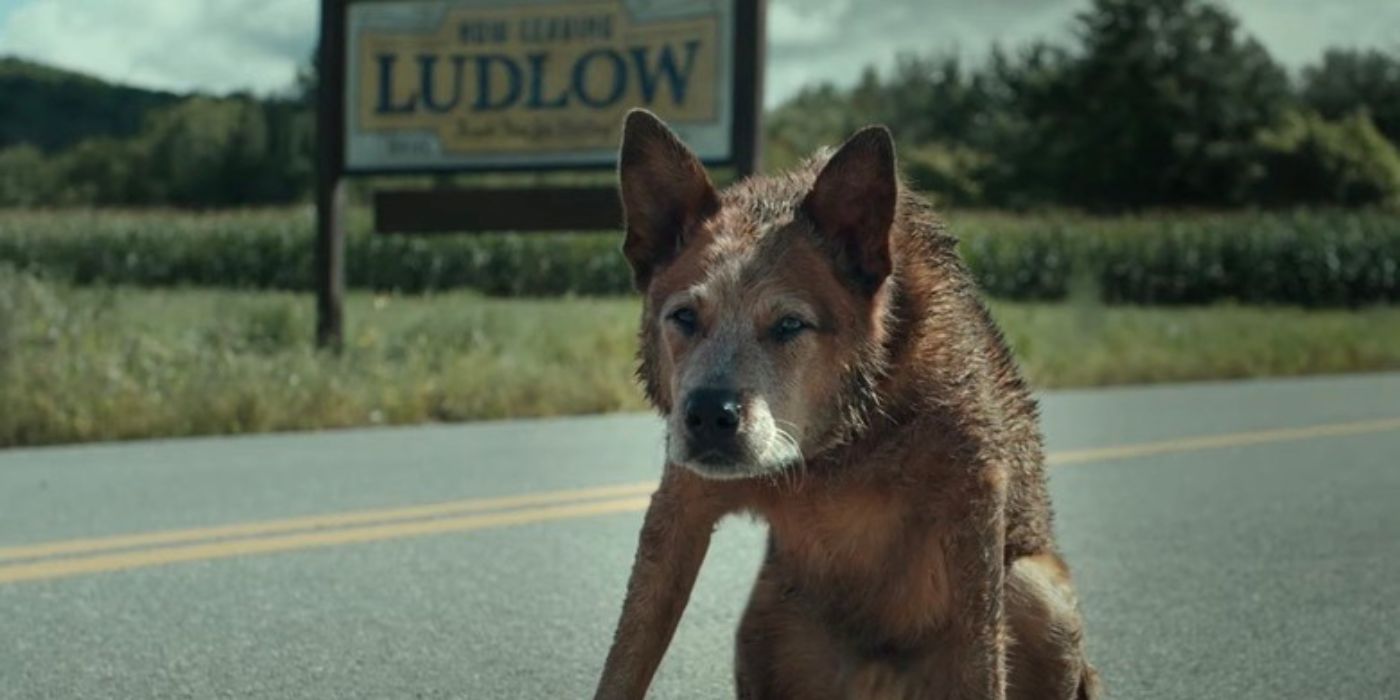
(824, 362)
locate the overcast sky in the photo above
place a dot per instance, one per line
(226, 45)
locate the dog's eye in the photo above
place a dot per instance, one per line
(788, 327)
(685, 319)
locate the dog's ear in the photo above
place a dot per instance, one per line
(853, 203)
(665, 193)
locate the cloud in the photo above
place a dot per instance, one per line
(226, 45)
(834, 40)
(1297, 32)
(211, 45)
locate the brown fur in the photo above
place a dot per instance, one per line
(911, 556)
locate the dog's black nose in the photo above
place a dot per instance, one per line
(713, 416)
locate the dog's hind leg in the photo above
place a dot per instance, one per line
(1045, 660)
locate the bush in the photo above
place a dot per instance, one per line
(1352, 80)
(1317, 258)
(1309, 160)
(1324, 258)
(1291, 260)
(949, 174)
(272, 249)
(1152, 103)
(201, 151)
(26, 177)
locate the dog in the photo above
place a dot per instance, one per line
(823, 361)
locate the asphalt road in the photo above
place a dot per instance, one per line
(1263, 562)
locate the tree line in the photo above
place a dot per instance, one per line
(200, 152)
(1151, 103)
(71, 140)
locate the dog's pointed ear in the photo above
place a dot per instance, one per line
(853, 202)
(665, 193)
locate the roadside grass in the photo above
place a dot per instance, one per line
(1076, 345)
(80, 364)
(101, 363)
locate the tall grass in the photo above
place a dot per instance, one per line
(100, 363)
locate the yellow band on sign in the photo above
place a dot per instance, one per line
(473, 82)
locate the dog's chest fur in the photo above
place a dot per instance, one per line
(865, 554)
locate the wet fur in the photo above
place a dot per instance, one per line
(911, 555)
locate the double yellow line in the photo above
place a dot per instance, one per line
(88, 556)
(49, 560)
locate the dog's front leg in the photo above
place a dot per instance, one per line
(975, 662)
(672, 545)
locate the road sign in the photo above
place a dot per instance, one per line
(487, 84)
(416, 86)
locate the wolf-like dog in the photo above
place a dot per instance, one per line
(823, 361)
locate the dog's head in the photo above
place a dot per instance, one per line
(764, 304)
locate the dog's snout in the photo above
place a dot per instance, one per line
(713, 415)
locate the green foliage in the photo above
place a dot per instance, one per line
(817, 116)
(1150, 104)
(54, 109)
(26, 177)
(1312, 259)
(271, 249)
(1067, 345)
(1324, 258)
(199, 152)
(951, 174)
(222, 152)
(1307, 159)
(100, 171)
(102, 364)
(1161, 105)
(97, 363)
(1027, 163)
(939, 99)
(1349, 81)
(1154, 103)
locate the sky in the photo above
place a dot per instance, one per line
(228, 45)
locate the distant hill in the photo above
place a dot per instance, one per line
(53, 108)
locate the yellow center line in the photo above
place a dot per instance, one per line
(57, 568)
(1216, 442)
(315, 522)
(104, 554)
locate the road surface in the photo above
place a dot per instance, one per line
(1234, 540)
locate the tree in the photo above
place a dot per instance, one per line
(308, 79)
(1161, 104)
(191, 145)
(935, 98)
(196, 151)
(816, 116)
(26, 177)
(1309, 160)
(1158, 103)
(1348, 81)
(54, 109)
(103, 171)
(218, 152)
(1021, 127)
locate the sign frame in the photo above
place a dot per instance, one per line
(745, 94)
(436, 210)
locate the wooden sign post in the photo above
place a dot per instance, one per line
(449, 86)
(330, 183)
